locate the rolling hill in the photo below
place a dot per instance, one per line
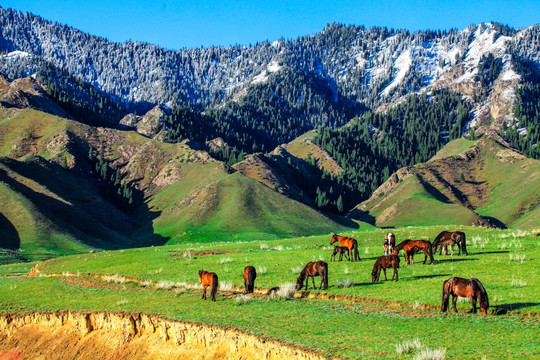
(481, 182)
(54, 203)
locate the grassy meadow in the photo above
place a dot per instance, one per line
(354, 318)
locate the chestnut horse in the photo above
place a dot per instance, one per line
(208, 279)
(451, 238)
(312, 269)
(341, 250)
(349, 243)
(249, 278)
(411, 247)
(471, 288)
(384, 262)
(389, 243)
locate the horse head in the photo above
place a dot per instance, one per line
(334, 239)
(299, 282)
(374, 275)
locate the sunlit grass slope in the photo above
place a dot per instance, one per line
(504, 261)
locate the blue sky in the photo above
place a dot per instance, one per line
(180, 24)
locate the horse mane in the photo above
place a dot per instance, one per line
(482, 293)
(438, 238)
(401, 245)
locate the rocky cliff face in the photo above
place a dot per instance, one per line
(107, 335)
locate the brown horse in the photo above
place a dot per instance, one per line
(411, 247)
(312, 269)
(389, 243)
(471, 288)
(349, 243)
(249, 278)
(208, 279)
(341, 250)
(446, 238)
(384, 262)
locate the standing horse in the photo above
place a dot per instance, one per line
(341, 250)
(349, 243)
(208, 279)
(385, 262)
(312, 269)
(411, 247)
(471, 288)
(451, 238)
(249, 278)
(389, 243)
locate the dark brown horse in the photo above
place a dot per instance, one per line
(384, 262)
(471, 288)
(341, 250)
(208, 279)
(349, 243)
(389, 243)
(411, 247)
(312, 269)
(249, 278)
(450, 238)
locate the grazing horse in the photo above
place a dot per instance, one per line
(471, 288)
(349, 243)
(451, 238)
(389, 243)
(208, 279)
(411, 247)
(341, 250)
(249, 278)
(384, 262)
(312, 269)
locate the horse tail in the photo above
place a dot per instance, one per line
(214, 286)
(481, 294)
(446, 291)
(464, 245)
(252, 274)
(325, 275)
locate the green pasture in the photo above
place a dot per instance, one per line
(370, 325)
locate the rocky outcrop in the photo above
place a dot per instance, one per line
(108, 335)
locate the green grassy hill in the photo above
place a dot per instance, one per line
(55, 206)
(466, 183)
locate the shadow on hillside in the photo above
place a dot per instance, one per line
(432, 190)
(516, 306)
(78, 209)
(363, 216)
(342, 220)
(494, 222)
(9, 236)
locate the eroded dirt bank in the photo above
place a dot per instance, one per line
(108, 335)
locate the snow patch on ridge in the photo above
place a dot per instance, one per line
(272, 67)
(402, 64)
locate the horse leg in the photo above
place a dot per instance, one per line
(395, 272)
(385, 278)
(454, 300)
(313, 279)
(473, 302)
(204, 293)
(444, 304)
(425, 256)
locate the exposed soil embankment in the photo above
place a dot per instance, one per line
(108, 335)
